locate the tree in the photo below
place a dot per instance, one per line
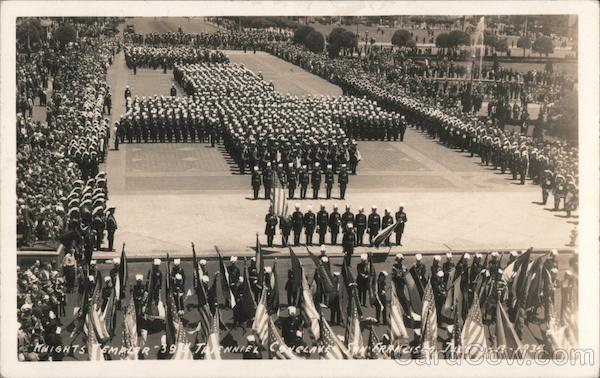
(563, 118)
(501, 45)
(301, 33)
(402, 38)
(524, 43)
(543, 45)
(339, 39)
(29, 31)
(490, 39)
(65, 34)
(458, 38)
(315, 42)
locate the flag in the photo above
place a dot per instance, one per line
(429, 329)
(472, 338)
(213, 345)
(373, 296)
(384, 234)
(535, 279)
(521, 265)
(280, 350)
(260, 262)
(273, 292)
(182, 345)
(260, 323)
(247, 305)
(121, 287)
(507, 340)
(130, 339)
(225, 283)
(354, 339)
(351, 292)
(323, 274)
(374, 350)
(414, 300)
(398, 330)
(203, 305)
(309, 310)
(93, 346)
(109, 315)
(278, 198)
(333, 348)
(99, 326)
(296, 273)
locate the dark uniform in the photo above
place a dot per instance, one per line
(343, 181)
(316, 181)
(373, 225)
(335, 221)
(362, 280)
(270, 226)
(329, 181)
(322, 223)
(256, 180)
(386, 222)
(401, 219)
(309, 226)
(297, 225)
(285, 225)
(360, 224)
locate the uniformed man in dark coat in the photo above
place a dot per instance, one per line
(316, 180)
(111, 227)
(291, 325)
(360, 224)
(270, 226)
(347, 218)
(343, 181)
(154, 281)
(547, 184)
(251, 351)
(234, 272)
(107, 290)
(309, 225)
(285, 225)
(139, 297)
(373, 224)
(419, 273)
(329, 181)
(177, 269)
(348, 243)
(386, 222)
(304, 178)
(381, 302)
(268, 180)
(335, 221)
(297, 224)
(292, 180)
(401, 219)
(173, 90)
(127, 93)
(178, 292)
(334, 300)
(362, 279)
(447, 267)
(256, 181)
(398, 273)
(322, 224)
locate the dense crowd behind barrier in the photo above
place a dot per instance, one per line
(167, 57)
(70, 145)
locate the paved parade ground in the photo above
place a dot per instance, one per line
(167, 195)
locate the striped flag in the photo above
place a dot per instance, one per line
(260, 323)
(130, 339)
(472, 338)
(225, 283)
(333, 347)
(384, 234)
(273, 291)
(213, 345)
(280, 350)
(278, 198)
(354, 337)
(397, 326)
(182, 345)
(260, 262)
(93, 346)
(411, 292)
(374, 350)
(99, 326)
(121, 279)
(429, 329)
(308, 308)
(203, 306)
(507, 340)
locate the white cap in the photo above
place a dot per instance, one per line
(554, 270)
(233, 259)
(449, 255)
(323, 248)
(205, 278)
(106, 278)
(109, 261)
(450, 328)
(250, 338)
(440, 273)
(25, 306)
(401, 205)
(52, 315)
(336, 273)
(297, 205)
(58, 330)
(292, 310)
(418, 257)
(437, 258)
(374, 207)
(139, 277)
(467, 256)
(202, 262)
(93, 262)
(253, 258)
(268, 269)
(324, 258)
(478, 255)
(178, 276)
(554, 252)
(363, 257)
(494, 254)
(514, 253)
(156, 262)
(116, 260)
(384, 273)
(299, 333)
(177, 261)
(399, 256)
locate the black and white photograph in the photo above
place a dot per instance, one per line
(335, 181)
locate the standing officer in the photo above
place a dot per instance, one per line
(111, 227)
(387, 221)
(547, 181)
(381, 304)
(401, 220)
(285, 224)
(256, 179)
(335, 221)
(309, 225)
(251, 351)
(291, 325)
(139, 296)
(347, 218)
(270, 226)
(297, 224)
(334, 300)
(173, 90)
(292, 180)
(362, 279)
(329, 181)
(348, 243)
(178, 292)
(447, 267)
(316, 180)
(373, 224)
(360, 223)
(268, 180)
(127, 93)
(559, 191)
(343, 181)
(322, 223)
(304, 180)
(419, 273)
(177, 269)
